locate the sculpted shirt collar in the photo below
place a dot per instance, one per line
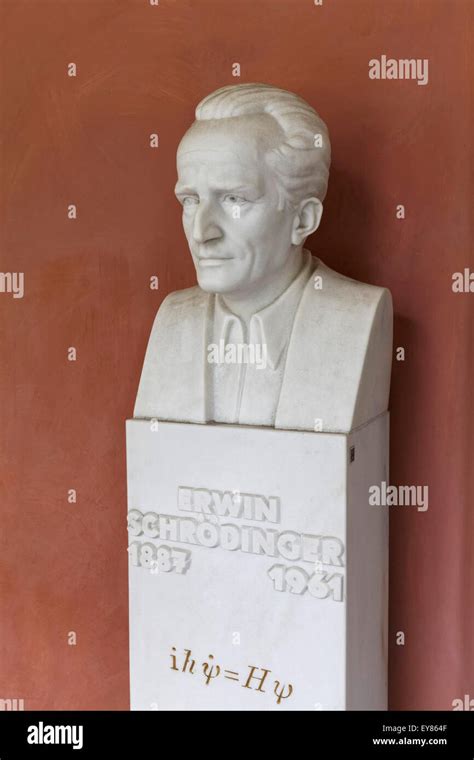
(271, 326)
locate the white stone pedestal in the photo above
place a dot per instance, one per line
(258, 569)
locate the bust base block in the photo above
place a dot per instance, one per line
(258, 569)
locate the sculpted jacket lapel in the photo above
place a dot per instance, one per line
(298, 370)
(323, 355)
(173, 383)
(192, 369)
(338, 361)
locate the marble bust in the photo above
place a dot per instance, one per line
(270, 336)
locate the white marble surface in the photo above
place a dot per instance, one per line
(224, 608)
(252, 174)
(337, 368)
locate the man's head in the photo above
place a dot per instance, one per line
(252, 175)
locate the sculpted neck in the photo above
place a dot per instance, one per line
(244, 305)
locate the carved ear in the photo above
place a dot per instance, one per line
(307, 220)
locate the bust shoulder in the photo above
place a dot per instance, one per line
(345, 287)
(188, 298)
(185, 296)
(343, 299)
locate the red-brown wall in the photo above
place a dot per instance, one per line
(142, 69)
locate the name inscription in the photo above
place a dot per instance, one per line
(209, 527)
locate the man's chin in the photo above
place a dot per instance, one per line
(212, 282)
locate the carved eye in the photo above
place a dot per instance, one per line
(189, 200)
(234, 200)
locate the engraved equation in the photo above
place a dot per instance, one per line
(255, 677)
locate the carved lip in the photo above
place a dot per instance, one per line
(213, 261)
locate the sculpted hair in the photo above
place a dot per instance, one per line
(302, 160)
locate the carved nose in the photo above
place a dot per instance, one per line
(204, 227)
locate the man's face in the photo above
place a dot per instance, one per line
(237, 235)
